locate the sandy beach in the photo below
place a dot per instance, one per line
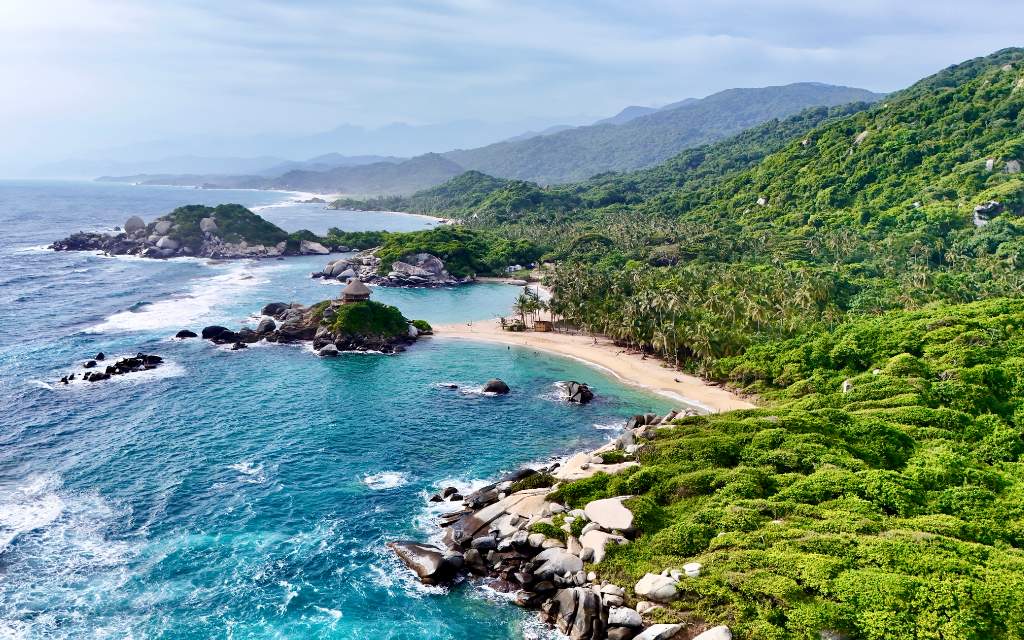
(630, 368)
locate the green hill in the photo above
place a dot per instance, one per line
(581, 152)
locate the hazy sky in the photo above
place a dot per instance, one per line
(80, 74)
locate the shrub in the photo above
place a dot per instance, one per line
(533, 481)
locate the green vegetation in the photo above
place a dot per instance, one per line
(534, 481)
(423, 326)
(581, 152)
(464, 251)
(369, 319)
(838, 274)
(358, 240)
(235, 224)
(890, 511)
(549, 530)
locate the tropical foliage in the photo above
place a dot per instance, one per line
(892, 510)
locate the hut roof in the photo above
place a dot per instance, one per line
(355, 288)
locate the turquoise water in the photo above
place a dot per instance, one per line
(241, 494)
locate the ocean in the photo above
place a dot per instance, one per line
(245, 494)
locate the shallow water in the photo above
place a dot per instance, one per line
(241, 494)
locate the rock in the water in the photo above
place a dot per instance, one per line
(328, 351)
(275, 309)
(720, 632)
(610, 514)
(496, 386)
(427, 561)
(660, 632)
(657, 588)
(133, 224)
(266, 325)
(579, 392)
(99, 357)
(185, 333)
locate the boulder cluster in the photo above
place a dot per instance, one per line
(95, 372)
(415, 270)
(515, 538)
(294, 322)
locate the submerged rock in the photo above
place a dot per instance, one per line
(184, 334)
(497, 386)
(578, 392)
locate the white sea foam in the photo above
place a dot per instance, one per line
(167, 369)
(610, 426)
(186, 308)
(386, 480)
(333, 614)
(29, 507)
(252, 473)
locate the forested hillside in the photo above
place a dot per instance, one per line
(582, 152)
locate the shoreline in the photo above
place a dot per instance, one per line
(629, 368)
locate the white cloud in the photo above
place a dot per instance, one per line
(101, 72)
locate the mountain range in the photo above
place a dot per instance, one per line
(632, 139)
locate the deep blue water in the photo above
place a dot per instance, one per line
(242, 494)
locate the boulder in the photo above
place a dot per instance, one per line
(496, 386)
(720, 632)
(621, 633)
(162, 227)
(578, 613)
(266, 325)
(208, 225)
(599, 541)
(1013, 166)
(275, 309)
(624, 617)
(168, 243)
(579, 392)
(308, 247)
(660, 632)
(133, 224)
(328, 351)
(555, 561)
(656, 587)
(427, 561)
(610, 514)
(692, 569)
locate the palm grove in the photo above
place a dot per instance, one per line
(859, 268)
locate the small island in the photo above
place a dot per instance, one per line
(226, 231)
(352, 322)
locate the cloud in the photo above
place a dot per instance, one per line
(81, 73)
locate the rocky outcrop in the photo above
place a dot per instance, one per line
(578, 392)
(430, 563)
(130, 364)
(416, 270)
(985, 211)
(166, 238)
(289, 323)
(523, 543)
